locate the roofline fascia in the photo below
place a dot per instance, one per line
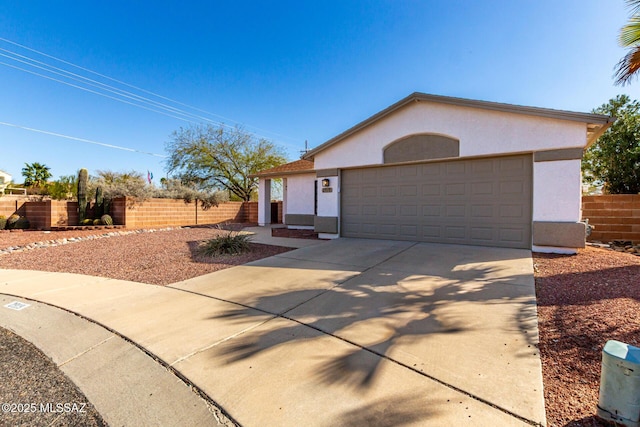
(470, 103)
(599, 133)
(278, 174)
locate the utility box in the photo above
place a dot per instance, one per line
(620, 384)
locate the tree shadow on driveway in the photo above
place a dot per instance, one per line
(467, 324)
(380, 310)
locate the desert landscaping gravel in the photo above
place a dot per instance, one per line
(156, 257)
(37, 392)
(583, 300)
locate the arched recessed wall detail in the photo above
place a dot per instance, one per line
(421, 147)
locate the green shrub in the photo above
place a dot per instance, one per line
(3, 222)
(11, 221)
(87, 221)
(22, 223)
(97, 222)
(106, 219)
(229, 244)
(15, 222)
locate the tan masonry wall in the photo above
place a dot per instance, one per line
(169, 212)
(10, 205)
(615, 217)
(51, 213)
(153, 213)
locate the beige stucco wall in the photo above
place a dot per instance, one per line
(299, 194)
(557, 191)
(481, 132)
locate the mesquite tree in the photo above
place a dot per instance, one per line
(222, 158)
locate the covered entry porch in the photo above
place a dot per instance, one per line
(299, 189)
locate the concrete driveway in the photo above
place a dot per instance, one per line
(347, 332)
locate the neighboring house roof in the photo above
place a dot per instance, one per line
(596, 123)
(293, 168)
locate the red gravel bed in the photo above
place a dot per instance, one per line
(584, 300)
(160, 257)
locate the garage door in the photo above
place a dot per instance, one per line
(476, 202)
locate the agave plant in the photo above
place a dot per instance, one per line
(228, 244)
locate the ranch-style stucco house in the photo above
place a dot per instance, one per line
(446, 170)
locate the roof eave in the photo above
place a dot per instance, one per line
(597, 133)
(279, 174)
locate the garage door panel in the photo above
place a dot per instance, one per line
(431, 232)
(456, 211)
(388, 210)
(408, 230)
(483, 202)
(511, 211)
(409, 211)
(485, 167)
(430, 210)
(486, 234)
(368, 210)
(455, 169)
(455, 232)
(483, 188)
(430, 189)
(367, 191)
(482, 211)
(409, 171)
(512, 187)
(512, 165)
(514, 235)
(409, 190)
(456, 189)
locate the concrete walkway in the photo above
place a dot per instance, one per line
(346, 332)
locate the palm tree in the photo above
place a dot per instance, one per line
(35, 174)
(630, 38)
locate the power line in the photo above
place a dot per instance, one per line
(92, 91)
(99, 85)
(81, 79)
(121, 92)
(89, 141)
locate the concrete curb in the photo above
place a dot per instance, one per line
(125, 384)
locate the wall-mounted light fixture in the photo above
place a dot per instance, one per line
(326, 182)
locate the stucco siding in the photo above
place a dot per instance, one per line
(300, 194)
(481, 132)
(556, 191)
(329, 198)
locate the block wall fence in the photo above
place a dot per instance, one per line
(615, 217)
(152, 213)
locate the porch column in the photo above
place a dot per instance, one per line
(264, 202)
(284, 200)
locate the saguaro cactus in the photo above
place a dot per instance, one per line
(83, 179)
(99, 207)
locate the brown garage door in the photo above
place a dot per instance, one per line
(476, 202)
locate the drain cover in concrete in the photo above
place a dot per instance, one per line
(17, 305)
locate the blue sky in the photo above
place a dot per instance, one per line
(286, 70)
